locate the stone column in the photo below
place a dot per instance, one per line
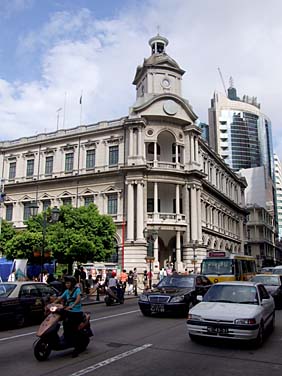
(176, 155)
(130, 146)
(177, 203)
(155, 198)
(199, 214)
(186, 208)
(130, 212)
(155, 154)
(196, 150)
(139, 214)
(192, 148)
(139, 143)
(178, 264)
(194, 214)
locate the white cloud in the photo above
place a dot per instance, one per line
(79, 52)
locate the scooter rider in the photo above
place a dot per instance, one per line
(114, 286)
(71, 298)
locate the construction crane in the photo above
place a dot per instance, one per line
(222, 80)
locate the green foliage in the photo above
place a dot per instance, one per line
(7, 233)
(23, 244)
(81, 234)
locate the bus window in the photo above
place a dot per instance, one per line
(238, 270)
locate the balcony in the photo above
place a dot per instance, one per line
(166, 218)
(165, 165)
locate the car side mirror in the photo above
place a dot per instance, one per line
(264, 301)
(199, 298)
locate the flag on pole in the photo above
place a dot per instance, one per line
(80, 100)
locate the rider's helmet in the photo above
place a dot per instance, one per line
(114, 274)
(71, 279)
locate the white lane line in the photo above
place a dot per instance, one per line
(100, 318)
(110, 360)
(119, 314)
(18, 336)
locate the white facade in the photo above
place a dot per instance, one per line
(149, 170)
(278, 187)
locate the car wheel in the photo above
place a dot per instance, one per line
(146, 313)
(42, 350)
(272, 323)
(260, 337)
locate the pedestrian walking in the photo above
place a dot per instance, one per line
(123, 279)
(135, 281)
(130, 282)
(145, 279)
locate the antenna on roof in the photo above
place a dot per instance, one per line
(231, 82)
(222, 81)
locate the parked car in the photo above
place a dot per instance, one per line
(22, 302)
(277, 270)
(273, 284)
(174, 294)
(233, 310)
(267, 270)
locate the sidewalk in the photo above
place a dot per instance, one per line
(89, 300)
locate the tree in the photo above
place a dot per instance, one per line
(81, 234)
(7, 233)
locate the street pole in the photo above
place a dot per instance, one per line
(43, 243)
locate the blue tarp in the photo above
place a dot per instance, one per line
(32, 270)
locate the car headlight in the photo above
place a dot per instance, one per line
(245, 321)
(143, 298)
(177, 299)
(194, 317)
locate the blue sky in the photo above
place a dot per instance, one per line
(51, 51)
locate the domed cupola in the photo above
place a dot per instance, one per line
(159, 73)
(158, 44)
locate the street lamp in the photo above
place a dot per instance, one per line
(194, 245)
(150, 236)
(55, 212)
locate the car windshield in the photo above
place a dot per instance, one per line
(180, 282)
(6, 289)
(217, 266)
(267, 280)
(232, 294)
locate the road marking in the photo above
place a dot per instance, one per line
(110, 360)
(119, 314)
(100, 318)
(18, 336)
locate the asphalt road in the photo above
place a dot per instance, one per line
(126, 343)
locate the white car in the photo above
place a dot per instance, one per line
(233, 310)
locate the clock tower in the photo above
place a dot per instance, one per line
(159, 74)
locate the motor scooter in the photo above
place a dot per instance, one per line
(114, 295)
(49, 338)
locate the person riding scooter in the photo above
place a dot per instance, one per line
(73, 316)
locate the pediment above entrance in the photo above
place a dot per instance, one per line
(165, 105)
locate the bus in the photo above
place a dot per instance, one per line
(221, 266)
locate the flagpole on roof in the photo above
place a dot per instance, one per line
(80, 102)
(58, 117)
(64, 116)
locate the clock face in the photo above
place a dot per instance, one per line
(170, 107)
(166, 83)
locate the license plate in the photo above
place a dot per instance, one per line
(157, 308)
(216, 331)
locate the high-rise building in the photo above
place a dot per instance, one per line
(278, 187)
(240, 132)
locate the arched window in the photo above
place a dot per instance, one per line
(151, 148)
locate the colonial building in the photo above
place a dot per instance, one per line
(151, 171)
